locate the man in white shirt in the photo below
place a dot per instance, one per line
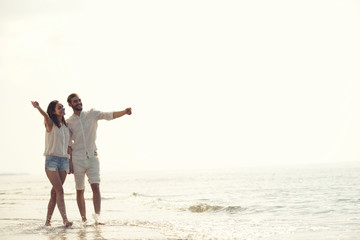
(84, 160)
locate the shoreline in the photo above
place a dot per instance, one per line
(33, 229)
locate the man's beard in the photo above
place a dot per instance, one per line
(78, 107)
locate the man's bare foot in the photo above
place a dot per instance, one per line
(68, 224)
(98, 220)
(47, 223)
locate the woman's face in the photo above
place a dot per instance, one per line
(59, 110)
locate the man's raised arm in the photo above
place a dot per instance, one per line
(122, 113)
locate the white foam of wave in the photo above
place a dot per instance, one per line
(201, 207)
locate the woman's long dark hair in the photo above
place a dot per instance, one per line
(51, 112)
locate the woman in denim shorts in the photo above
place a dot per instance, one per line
(56, 156)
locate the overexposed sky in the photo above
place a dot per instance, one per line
(212, 83)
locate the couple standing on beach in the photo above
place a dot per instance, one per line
(70, 148)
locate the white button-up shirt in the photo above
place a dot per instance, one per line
(83, 132)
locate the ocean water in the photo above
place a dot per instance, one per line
(244, 204)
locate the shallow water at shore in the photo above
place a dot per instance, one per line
(293, 203)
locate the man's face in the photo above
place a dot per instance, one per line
(76, 103)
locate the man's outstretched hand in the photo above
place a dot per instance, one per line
(128, 111)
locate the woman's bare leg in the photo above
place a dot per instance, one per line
(51, 206)
(57, 179)
(52, 201)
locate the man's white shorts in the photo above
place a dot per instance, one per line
(90, 167)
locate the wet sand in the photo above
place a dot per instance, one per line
(34, 230)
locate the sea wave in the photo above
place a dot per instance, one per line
(156, 201)
(203, 207)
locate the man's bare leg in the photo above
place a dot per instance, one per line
(81, 204)
(96, 197)
(97, 202)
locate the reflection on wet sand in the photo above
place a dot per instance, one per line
(82, 233)
(85, 233)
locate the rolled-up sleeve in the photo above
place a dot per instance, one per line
(104, 115)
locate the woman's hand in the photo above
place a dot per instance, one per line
(47, 119)
(35, 104)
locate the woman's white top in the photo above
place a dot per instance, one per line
(57, 141)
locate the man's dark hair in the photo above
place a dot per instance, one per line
(71, 96)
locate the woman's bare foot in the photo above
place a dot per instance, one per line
(47, 223)
(67, 223)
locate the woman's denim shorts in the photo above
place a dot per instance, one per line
(54, 163)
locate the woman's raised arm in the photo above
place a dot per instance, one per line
(48, 122)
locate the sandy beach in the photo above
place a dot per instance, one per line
(33, 229)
